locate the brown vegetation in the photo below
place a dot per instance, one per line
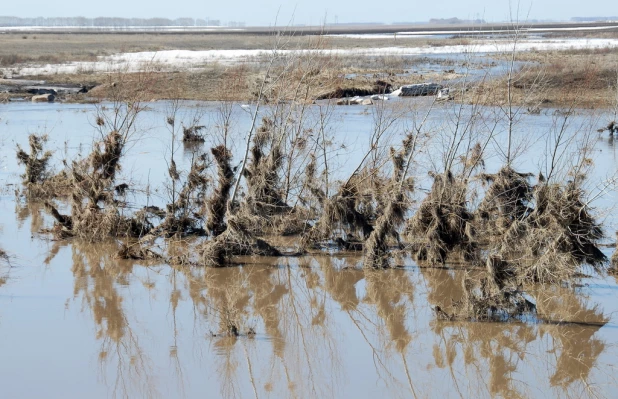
(522, 233)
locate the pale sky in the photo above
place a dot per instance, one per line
(264, 12)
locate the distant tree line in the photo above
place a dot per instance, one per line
(446, 21)
(594, 19)
(116, 22)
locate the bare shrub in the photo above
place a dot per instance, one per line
(394, 203)
(549, 244)
(443, 222)
(236, 240)
(191, 134)
(216, 204)
(95, 213)
(36, 176)
(184, 214)
(506, 200)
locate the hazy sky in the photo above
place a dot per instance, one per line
(264, 12)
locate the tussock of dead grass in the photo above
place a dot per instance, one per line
(36, 161)
(234, 241)
(442, 223)
(348, 212)
(216, 204)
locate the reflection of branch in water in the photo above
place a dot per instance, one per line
(175, 297)
(494, 343)
(288, 304)
(32, 210)
(500, 348)
(301, 329)
(407, 369)
(340, 283)
(573, 339)
(57, 245)
(386, 291)
(96, 275)
(490, 344)
(376, 356)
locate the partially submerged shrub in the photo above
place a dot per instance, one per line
(191, 134)
(264, 196)
(560, 234)
(234, 241)
(443, 222)
(349, 212)
(216, 204)
(184, 216)
(506, 201)
(36, 164)
(393, 205)
(94, 212)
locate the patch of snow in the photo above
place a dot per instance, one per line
(428, 33)
(187, 59)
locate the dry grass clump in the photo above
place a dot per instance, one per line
(264, 195)
(558, 236)
(216, 204)
(506, 200)
(293, 222)
(236, 240)
(40, 183)
(443, 222)
(376, 246)
(36, 164)
(393, 202)
(347, 215)
(184, 214)
(191, 134)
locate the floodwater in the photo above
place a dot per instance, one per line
(76, 322)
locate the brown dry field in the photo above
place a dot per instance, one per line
(563, 78)
(64, 47)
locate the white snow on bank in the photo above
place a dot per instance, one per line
(471, 31)
(186, 59)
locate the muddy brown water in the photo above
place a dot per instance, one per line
(76, 322)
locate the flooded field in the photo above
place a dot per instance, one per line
(76, 321)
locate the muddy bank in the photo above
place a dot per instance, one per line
(42, 90)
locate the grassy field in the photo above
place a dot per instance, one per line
(50, 47)
(584, 75)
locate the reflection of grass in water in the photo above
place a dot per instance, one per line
(4, 260)
(282, 303)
